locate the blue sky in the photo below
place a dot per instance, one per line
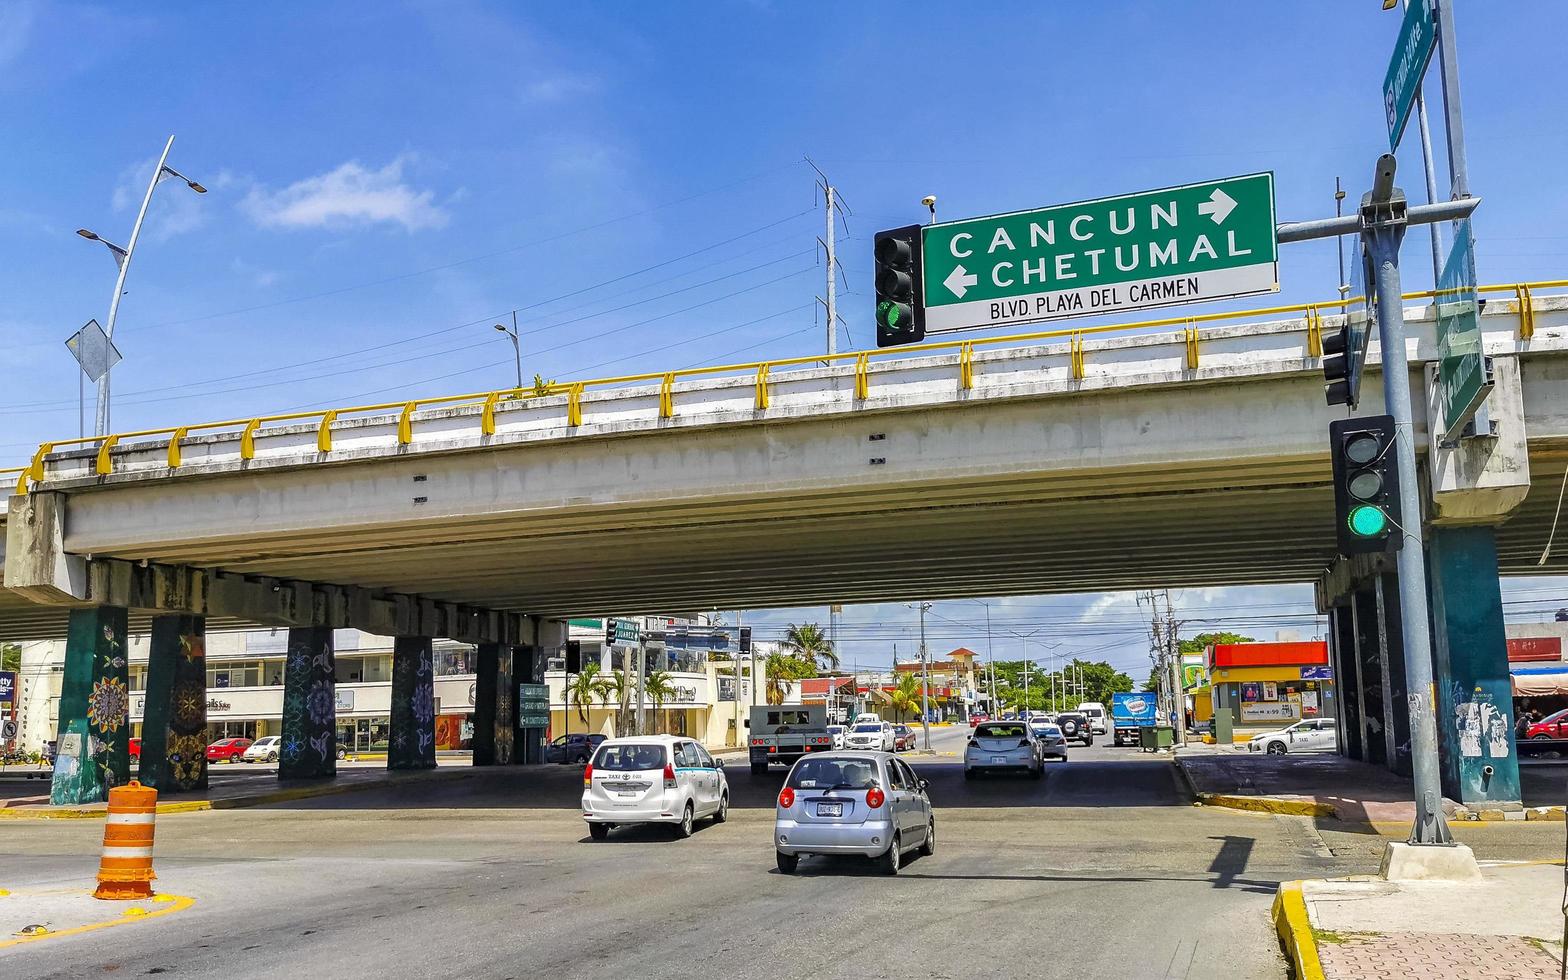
(389, 180)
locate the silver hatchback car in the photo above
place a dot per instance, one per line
(866, 803)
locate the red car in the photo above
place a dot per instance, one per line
(903, 738)
(136, 748)
(227, 749)
(977, 718)
(1554, 725)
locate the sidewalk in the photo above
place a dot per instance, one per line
(1323, 784)
(1508, 925)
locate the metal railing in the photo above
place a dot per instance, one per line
(33, 474)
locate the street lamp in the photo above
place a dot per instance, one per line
(930, 202)
(122, 258)
(990, 660)
(517, 350)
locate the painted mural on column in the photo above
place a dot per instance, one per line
(504, 747)
(174, 719)
(93, 749)
(413, 743)
(309, 740)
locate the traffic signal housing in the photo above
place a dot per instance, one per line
(574, 657)
(1366, 485)
(901, 307)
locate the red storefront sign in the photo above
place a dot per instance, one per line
(1298, 654)
(1527, 649)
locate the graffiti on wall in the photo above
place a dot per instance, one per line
(1482, 725)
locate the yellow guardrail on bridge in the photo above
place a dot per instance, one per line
(32, 474)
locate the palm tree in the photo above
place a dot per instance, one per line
(619, 686)
(661, 689)
(808, 642)
(906, 695)
(585, 687)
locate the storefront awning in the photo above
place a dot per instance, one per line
(1536, 682)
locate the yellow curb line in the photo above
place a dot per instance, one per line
(1269, 804)
(175, 903)
(1295, 931)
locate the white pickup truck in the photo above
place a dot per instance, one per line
(783, 733)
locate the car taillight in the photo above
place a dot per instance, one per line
(786, 797)
(669, 776)
(587, 775)
(875, 798)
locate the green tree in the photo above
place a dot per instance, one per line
(10, 656)
(661, 688)
(1197, 643)
(585, 687)
(808, 642)
(905, 696)
(782, 667)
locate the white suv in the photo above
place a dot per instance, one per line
(653, 779)
(1098, 718)
(876, 736)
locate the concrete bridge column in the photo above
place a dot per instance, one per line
(94, 737)
(1342, 654)
(174, 718)
(1475, 723)
(1368, 652)
(1391, 667)
(413, 742)
(495, 696)
(309, 747)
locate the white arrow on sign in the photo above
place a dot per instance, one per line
(959, 281)
(1218, 206)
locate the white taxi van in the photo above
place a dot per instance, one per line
(664, 779)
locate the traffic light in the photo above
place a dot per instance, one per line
(1338, 386)
(745, 640)
(901, 308)
(609, 632)
(574, 657)
(1366, 485)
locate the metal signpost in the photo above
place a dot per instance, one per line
(1406, 69)
(1463, 374)
(1188, 244)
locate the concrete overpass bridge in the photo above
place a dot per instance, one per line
(1062, 461)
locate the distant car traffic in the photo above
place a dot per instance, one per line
(573, 749)
(1554, 725)
(837, 731)
(1053, 744)
(860, 803)
(977, 718)
(653, 779)
(264, 749)
(1075, 727)
(1099, 718)
(227, 749)
(903, 738)
(875, 736)
(1002, 745)
(1312, 735)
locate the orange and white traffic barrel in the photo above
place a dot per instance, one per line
(125, 870)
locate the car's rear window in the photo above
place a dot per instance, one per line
(1045, 729)
(629, 757)
(1000, 730)
(826, 773)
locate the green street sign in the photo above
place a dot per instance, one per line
(1461, 366)
(1406, 69)
(530, 720)
(1187, 244)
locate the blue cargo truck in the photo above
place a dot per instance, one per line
(1130, 713)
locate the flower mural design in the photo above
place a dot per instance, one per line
(320, 704)
(109, 704)
(187, 757)
(292, 747)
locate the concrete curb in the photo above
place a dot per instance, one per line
(229, 803)
(1294, 927)
(1255, 804)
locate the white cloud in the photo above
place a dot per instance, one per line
(175, 209)
(347, 195)
(557, 88)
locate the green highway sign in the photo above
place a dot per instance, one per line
(1462, 380)
(533, 705)
(1187, 244)
(1406, 69)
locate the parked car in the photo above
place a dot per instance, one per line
(227, 749)
(136, 748)
(876, 736)
(837, 731)
(862, 803)
(1075, 727)
(664, 779)
(1099, 718)
(977, 718)
(1002, 745)
(903, 738)
(264, 749)
(1053, 744)
(1554, 725)
(572, 749)
(1314, 734)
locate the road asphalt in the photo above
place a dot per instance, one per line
(1102, 868)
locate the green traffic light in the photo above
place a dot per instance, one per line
(1368, 521)
(890, 314)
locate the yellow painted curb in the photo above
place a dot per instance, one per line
(1295, 931)
(1269, 804)
(171, 903)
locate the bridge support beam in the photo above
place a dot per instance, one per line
(495, 696)
(174, 719)
(1342, 646)
(1369, 687)
(1474, 700)
(413, 740)
(1391, 665)
(94, 740)
(308, 749)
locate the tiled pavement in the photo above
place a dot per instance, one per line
(1431, 955)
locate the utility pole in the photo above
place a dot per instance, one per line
(1173, 661)
(1339, 212)
(925, 680)
(833, 202)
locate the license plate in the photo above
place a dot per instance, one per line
(830, 809)
(998, 759)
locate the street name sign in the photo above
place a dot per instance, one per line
(1406, 69)
(1461, 366)
(1188, 244)
(533, 705)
